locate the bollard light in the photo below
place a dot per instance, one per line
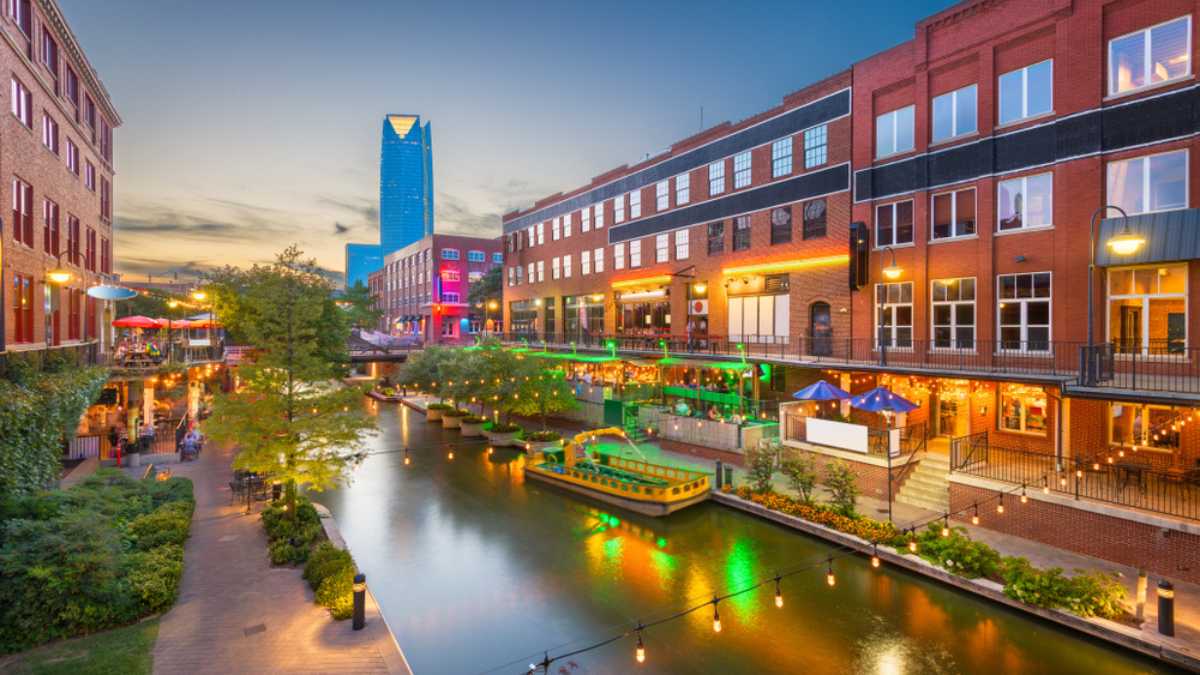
(360, 601)
(1166, 608)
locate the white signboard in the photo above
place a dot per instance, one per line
(842, 435)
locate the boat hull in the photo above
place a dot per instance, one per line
(653, 508)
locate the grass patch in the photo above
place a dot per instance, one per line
(127, 650)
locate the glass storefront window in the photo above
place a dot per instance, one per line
(583, 316)
(1147, 310)
(1023, 409)
(1142, 425)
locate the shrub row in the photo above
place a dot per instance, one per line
(330, 572)
(291, 539)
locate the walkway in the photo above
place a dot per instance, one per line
(237, 614)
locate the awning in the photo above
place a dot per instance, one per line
(1170, 236)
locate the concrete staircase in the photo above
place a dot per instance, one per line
(927, 486)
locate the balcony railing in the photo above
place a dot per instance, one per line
(1160, 365)
(173, 355)
(1127, 482)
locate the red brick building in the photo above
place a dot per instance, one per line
(56, 158)
(423, 288)
(954, 266)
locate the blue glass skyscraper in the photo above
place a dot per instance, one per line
(361, 260)
(405, 182)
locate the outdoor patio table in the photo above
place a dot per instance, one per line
(1129, 470)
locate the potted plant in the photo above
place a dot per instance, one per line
(540, 441)
(472, 425)
(434, 411)
(452, 418)
(503, 433)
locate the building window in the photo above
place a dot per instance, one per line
(635, 204)
(586, 224)
(954, 113)
(1022, 409)
(555, 229)
(953, 214)
(585, 263)
(683, 188)
(814, 219)
(953, 313)
(72, 157)
(105, 199)
(50, 56)
(532, 235)
(781, 157)
(566, 226)
(541, 233)
(50, 227)
(22, 15)
(476, 256)
(22, 103)
(759, 318)
(532, 273)
(541, 270)
(716, 178)
(22, 208)
(781, 225)
(497, 258)
(618, 256)
(681, 245)
(893, 318)
(618, 209)
(566, 262)
(89, 175)
(662, 194)
(1025, 202)
(22, 308)
(716, 237)
(1024, 316)
(741, 233)
(1149, 56)
(1148, 184)
(598, 259)
(1143, 425)
(49, 133)
(816, 142)
(555, 268)
(635, 253)
(451, 296)
(662, 248)
(450, 275)
(1027, 92)
(600, 215)
(894, 224)
(894, 132)
(449, 254)
(741, 170)
(1147, 309)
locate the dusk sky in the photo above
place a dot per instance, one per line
(251, 125)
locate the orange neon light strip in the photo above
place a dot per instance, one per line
(789, 265)
(644, 281)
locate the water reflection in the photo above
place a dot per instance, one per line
(478, 570)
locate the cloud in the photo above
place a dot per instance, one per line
(140, 267)
(460, 218)
(365, 209)
(340, 229)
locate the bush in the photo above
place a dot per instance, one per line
(544, 436)
(154, 577)
(456, 412)
(843, 488)
(801, 473)
(1085, 594)
(958, 553)
(168, 524)
(474, 419)
(325, 560)
(503, 428)
(336, 593)
(439, 406)
(291, 539)
(760, 467)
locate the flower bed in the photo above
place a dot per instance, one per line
(500, 434)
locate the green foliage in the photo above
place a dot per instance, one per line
(801, 472)
(456, 412)
(325, 560)
(958, 553)
(291, 538)
(544, 436)
(503, 428)
(1085, 594)
(843, 488)
(39, 409)
(540, 391)
(485, 289)
(428, 369)
(81, 560)
(359, 306)
(330, 572)
(474, 419)
(760, 468)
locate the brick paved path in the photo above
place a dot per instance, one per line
(237, 614)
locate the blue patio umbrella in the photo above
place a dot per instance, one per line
(880, 399)
(821, 391)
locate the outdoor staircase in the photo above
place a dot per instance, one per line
(928, 486)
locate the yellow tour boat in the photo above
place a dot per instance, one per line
(650, 489)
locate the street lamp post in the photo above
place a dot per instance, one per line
(1124, 243)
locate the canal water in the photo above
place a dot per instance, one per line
(478, 571)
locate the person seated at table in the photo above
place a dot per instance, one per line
(682, 409)
(713, 413)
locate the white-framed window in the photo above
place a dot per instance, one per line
(476, 256)
(22, 103)
(1025, 202)
(816, 146)
(1023, 409)
(586, 224)
(555, 229)
(683, 188)
(541, 270)
(618, 257)
(532, 273)
(1024, 311)
(1144, 426)
(781, 157)
(955, 113)
(450, 254)
(541, 233)
(450, 296)
(618, 209)
(635, 253)
(566, 263)
(532, 232)
(716, 178)
(585, 263)
(952, 214)
(894, 224)
(566, 225)
(89, 175)
(72, 157)
(555, 267)
(598, 259)
(1147, 309)
(635, 204)
(953, 317)
(894, 131)
(1146, 57)
(599, 215)
(49, 133)
(662, 248)
(759, 318)
(498, 258)
(741, 170)
(662, 195)
(681, 245)
(1150, 183)
(893, 315)
(1027, 92)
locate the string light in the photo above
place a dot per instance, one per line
(875, 555)
(975, 516)
(1000, 504)
(912, 540)
(1045, 485)
(716, 616)
(829, 578)
(1024, 497)
(450, 455)
(640, 652)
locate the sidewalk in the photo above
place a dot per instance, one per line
(237, 614)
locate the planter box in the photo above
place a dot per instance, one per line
(503, 439)
(542, 446)
(433, 414)
(471, 428)
(451, 421)
(132, 459)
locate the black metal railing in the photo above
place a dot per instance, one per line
(142, 358)
(1162, 365)
(1126, 482)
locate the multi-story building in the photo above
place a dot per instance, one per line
(423, 288)
(56, 156)
(361, 261)
(987, 155)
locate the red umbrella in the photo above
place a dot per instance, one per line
(175, 324)
(136, 321)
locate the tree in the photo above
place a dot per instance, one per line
(801, 472)
(485, 288)
(359, 305)
(760, 468)
(290, 417)
(843, 488)
(429, 370)
(541, 391)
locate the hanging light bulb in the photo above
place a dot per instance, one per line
(875, 556)
(1000, 505)
(946, 525)
(829, 578)
(975, 516)
(912, 544)
(450, 455)
(1045, 485)
(778, 594)
(1024, 497)
(490, 450)
(716, 617)
(640, 653)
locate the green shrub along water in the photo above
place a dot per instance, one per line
(327, 569)
(291, 539)
(102, 554)
(330, 572)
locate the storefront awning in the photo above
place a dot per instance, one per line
(1170, 236)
